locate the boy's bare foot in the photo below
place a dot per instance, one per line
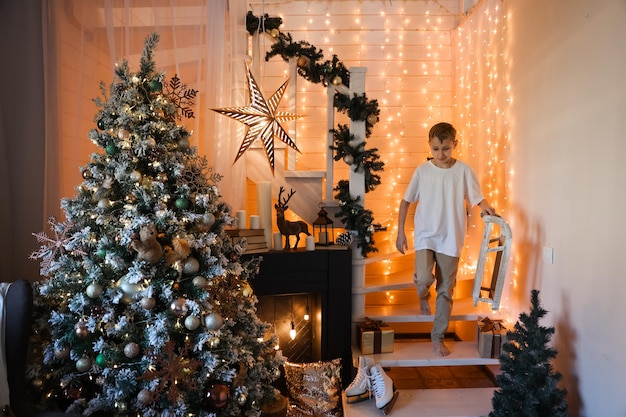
(424, 307)
(440, 349)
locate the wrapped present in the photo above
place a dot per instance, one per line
(374, 336)
(490, 338)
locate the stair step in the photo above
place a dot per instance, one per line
(458, 402)
(421, 354)
(462, 309)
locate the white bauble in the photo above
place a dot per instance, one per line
(94, 290)
(213, 321)
(199, 281)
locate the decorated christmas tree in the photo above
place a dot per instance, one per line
(528, 382)
(146, 307)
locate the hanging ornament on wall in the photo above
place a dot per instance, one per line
(262, 119)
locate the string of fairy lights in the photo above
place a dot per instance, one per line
(426, 62)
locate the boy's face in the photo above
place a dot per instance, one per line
(442, 151)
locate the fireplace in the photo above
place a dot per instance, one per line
(297, 322)
(288, 282)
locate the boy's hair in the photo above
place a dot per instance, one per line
(442, 131)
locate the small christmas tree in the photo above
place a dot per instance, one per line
(146, 308)
(528, 383)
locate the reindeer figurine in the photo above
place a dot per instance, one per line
(286, 227)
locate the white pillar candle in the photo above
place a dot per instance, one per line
(278, 241)
(241, 219)
(323, 238)
(310, 243)
(264, 207)
(255, 222)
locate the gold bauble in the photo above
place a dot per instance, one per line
(372, 119)
(274, 33)
(337, 80)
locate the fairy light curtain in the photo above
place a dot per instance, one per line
(201, 42)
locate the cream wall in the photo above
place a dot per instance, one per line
(567, 191)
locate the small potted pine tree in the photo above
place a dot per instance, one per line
(527, 385)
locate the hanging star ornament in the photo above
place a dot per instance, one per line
(261, 119)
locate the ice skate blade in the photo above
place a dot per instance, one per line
(353, 399)
(387, 407)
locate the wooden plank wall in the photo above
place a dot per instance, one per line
(406, 48)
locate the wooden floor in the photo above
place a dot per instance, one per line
(437, 391)
(441, 377)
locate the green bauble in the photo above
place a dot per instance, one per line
(111, 149)
(155, 85)
(101, 253)
(101, 360)
(182, 203)
(100, 124)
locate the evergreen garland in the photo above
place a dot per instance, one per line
(528, 382)
(358, 108)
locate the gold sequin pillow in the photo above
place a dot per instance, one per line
(314, 388)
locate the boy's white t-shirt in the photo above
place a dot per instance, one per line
(441, 217)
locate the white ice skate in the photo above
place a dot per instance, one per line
(384, 389)
(360, 389)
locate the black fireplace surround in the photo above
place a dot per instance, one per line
(326, 272)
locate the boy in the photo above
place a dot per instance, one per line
(441, 186)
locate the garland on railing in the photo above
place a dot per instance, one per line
(358, 108)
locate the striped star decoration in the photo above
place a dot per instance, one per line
(261, 119)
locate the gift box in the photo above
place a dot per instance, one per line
(374, 336)
(490, 338)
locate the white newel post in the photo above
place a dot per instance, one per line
(357, 189)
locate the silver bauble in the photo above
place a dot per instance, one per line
(348, 159)
(191, 266)
(129, 290)
(213, 321)
(83, 364)
(192, 322)
(131, 350)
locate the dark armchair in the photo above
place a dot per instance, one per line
(18, 320)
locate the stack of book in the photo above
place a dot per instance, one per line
(255, 239)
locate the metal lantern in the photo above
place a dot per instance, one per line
(321, 226)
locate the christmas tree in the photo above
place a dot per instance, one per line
(528, 383)
(146, 307)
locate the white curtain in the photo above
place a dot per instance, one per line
(203, 42)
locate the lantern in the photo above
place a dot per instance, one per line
(321, 225)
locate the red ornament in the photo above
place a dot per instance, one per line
(217, 395)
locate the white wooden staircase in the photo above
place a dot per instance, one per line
(383, 287)
(387, 293)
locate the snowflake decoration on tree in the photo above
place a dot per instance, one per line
(181, 96)
(53, 247)
(194, 176)
(172, 371)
